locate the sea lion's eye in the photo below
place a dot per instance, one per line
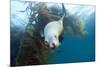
(55, 36)
(46, 43)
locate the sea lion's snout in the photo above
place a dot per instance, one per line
(51, 45)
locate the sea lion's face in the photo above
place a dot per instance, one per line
(52, 42)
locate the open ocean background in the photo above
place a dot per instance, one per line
(76, 49)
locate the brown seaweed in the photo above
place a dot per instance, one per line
(32, 50)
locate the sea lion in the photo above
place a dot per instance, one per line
(52, 31)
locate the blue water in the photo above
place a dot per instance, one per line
(76, 49)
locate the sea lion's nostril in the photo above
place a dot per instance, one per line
(53, 44)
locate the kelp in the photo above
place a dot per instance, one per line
(74, 25)
(32, 50)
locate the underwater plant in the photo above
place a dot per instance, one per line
(75, 26)
(32, 49)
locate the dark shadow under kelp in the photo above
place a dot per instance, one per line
(32, 50)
